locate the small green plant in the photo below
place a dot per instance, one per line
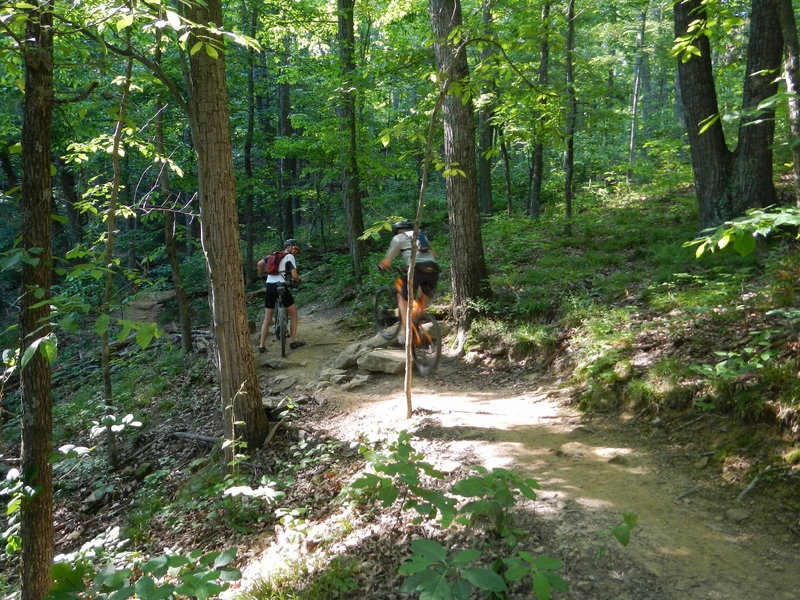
(621, 532)
(435, 575)
(399, 474)
(294, 521)
(194, 575)
(496, 493)
(540, 569)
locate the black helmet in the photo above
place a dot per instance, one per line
(403, 225)
(291, 242)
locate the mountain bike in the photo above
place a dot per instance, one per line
(426, 339)
(282, 318)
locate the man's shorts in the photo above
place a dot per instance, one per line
(426, 276)
(272, 296)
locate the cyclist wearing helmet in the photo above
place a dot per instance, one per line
(287, 267)
(426, 270)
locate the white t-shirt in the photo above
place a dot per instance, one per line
(288, 260)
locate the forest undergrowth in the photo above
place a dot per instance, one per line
(630, 320)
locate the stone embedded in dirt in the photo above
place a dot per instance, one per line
(619, 460)
(329, 374)
(383, 361)
(737, 515)
(572, 450)
(356, 382)
(282, 383)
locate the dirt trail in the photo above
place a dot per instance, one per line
(694, 540)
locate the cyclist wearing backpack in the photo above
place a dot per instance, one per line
(277, 266)
(426, 269)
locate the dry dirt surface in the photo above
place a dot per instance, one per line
(695, 539)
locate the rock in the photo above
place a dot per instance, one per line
(340, 379)
(349, 356)
(737, 515)
(357, 381)
(329, 374)
(283, 383)
(143, 470)
(619, 460)
(383, 361)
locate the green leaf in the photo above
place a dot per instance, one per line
(196, 48)
(174, 20)
(466, 556)
(211, 51)
(101, 325)
(429, 549)
(145, 334)
(541, 586)
(484, 579)
(125, 22)
(68, 578)
(744, 244)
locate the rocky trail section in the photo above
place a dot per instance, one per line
(695, 539)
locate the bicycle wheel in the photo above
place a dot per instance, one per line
(427, 344)
(281, 326)
(385, 313)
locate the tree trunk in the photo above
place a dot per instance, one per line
(249, 242)
(37, 402)
(571, 115)
(728, 183)
(285, 165)
(68, 185)
(184, 316)
(485, 129)
(537, 159)
(350, 177)
(637, 82)
(791, 76)
(469, 273)
(244, 419)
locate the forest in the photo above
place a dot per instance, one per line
(612, 191)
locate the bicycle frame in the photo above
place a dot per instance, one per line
(418, 306)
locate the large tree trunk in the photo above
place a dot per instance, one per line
(469, 273)
(728, 183)
(571, 116)
(485, 129)
(286, 166)
(170, 248)
(537, 158)
(791, 76)
(350, 176)
(249, 242)
(37, 401)
(244, 419)
(637, 84)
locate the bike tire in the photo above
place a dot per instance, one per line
(385, 313)
(281, 326)
(426, 348)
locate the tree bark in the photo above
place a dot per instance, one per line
(727, 183)
(249, 242)
(469, 273)
(791, 76)
(244, 419)
(485, 129)
(350, 176)
(537, 159)
(37, 403)
(571, 116)
(637, 82)
(170, 249)
(285, 165)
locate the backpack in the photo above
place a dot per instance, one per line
(273, 261)
(423, 245)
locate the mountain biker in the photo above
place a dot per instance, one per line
(287, 267)
(426, 270)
